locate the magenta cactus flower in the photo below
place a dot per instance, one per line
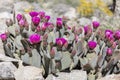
(59, 22)
(108, 33)
(35, 38)
(3, 37)
(45, 26)
(109, 51)
(95, 24)
(42, 14)
(19, 17)
(36, 20)
(47, 17)
(33, 13)
(92, 44)
(61, 41)
(86, 28)
(117, 34)
(59, 19)
(21, 22)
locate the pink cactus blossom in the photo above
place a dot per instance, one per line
(109, 51)
(45, 26)
(61, 41)
(92, 44)
(47, 17)
(36, 20)
(33, 13)
(35, 38)
(42, 14)
(21, 22)
(59, 22)
(95, 24)
(117, 34)
(19, 17)
(3, 37)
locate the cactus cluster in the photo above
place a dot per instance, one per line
(59, 47)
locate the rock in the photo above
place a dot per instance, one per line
(3, 19)
(60, 8)
(23, 6)
(68, 2)
(6, 15)
(111, 77)
(117, 9)
(7, 59)
(6, 5)
(74, 75)
(84, 21)
(94, 18)
(71, 14)
(37, 7)
(7, 69)
(28, 73)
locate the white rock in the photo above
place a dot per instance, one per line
(6, 5)
(71, 14)
(74, 75)
(28, 73)
(60, 8)
(22, 5)
(95, 18)
(7, 69)
(111, 77)
(117, 9)
(6, 15)
(84, 21)
(7, 59)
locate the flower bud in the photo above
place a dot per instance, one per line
(19, 17)
(73, 52)
(59, 22)
(86, 28)
(117, 34)
(33, 13)
(52, 52)
(108, 33)
(61, 41)
(36, 20)
(42, 14)
(95, 24)
(3, 37)
(109, 51)
(9, 22)
(47, 18)
(38, 28)
(21, 23)
(92, 44)
(34, 38)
